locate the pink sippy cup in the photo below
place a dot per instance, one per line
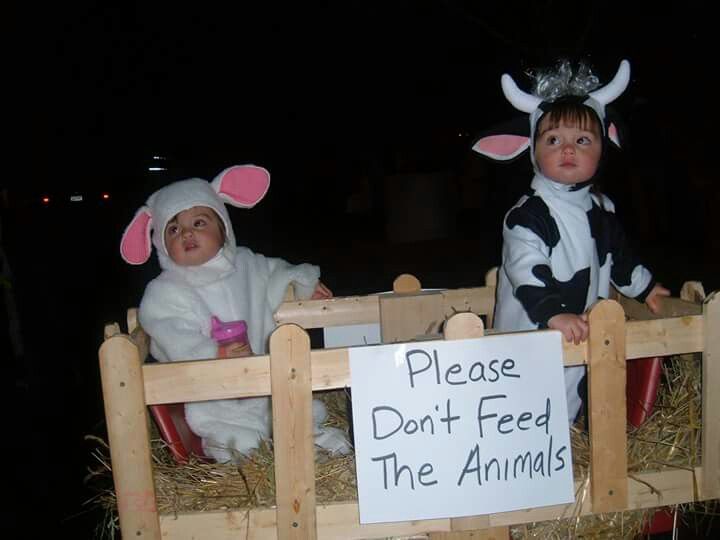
(229, 333)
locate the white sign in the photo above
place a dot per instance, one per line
(460, 428)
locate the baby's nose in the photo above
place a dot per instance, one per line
(568, 148)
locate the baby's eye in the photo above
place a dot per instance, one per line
(584, 140)
(172, 230)
(199, 223)
(553, 140)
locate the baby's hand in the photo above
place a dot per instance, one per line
(573, 327)
(654, 299)
(321, 292)
(234, 350)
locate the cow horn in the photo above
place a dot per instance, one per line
(611, 91)
(522, 101)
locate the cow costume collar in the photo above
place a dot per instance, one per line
(576, 195)
(505, 147)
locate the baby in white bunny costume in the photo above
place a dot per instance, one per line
(204, 275)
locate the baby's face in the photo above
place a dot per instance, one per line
(194, 236)
(568, 154)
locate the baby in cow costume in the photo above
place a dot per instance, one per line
(562, 244)
(205, 276)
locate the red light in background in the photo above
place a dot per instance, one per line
(45, 200)
(105, 196)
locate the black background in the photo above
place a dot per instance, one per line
(325, 97)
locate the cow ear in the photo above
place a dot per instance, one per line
(613, 134)
(242, 185)
(135, 246)
(501, 147)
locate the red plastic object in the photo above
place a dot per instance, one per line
(661, 522)
(643, 379)
(170, 419)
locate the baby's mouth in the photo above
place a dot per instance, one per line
(190, 246)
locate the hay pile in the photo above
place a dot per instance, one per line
(669, 438)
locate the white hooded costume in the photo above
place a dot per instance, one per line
(236, 284)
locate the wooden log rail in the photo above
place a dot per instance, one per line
(293, 370)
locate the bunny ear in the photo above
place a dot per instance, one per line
(243, 185)
(135, 246)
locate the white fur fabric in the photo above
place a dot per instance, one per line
(236, 284)
(231, 428)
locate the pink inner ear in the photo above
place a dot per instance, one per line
(135, 245)
(500, 145)
(613, 134)
(245, 185)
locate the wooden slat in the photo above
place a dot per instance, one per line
(574, 355)
(664, 337)
(406, 284)
(693, 291)
(293, 437)
(342, 520)
(246, 377)
(404, 318)
(330, 369)
(333, 312)
(141, 341)
(200, 380)
(670, 307)
(365, 309)
(226, 378)
(711, 397)
(127, 426)
(132, 319)
(290, 294)
(464, 326)
(110, 330)
(606, 390)
(654, 489)
(494, 533)
(491, 280)
(491, 277)
(480, 300)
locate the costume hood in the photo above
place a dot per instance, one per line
(242, 186)
(507, 146)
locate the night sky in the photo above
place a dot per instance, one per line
(294, 86)
(326, 97)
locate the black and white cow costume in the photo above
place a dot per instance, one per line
(562, 244)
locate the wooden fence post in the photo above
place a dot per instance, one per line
(491, 280)
(294, 443)
(409, 312)
(465, 326)
(127, 425)
(711, 397)
(607, 378)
